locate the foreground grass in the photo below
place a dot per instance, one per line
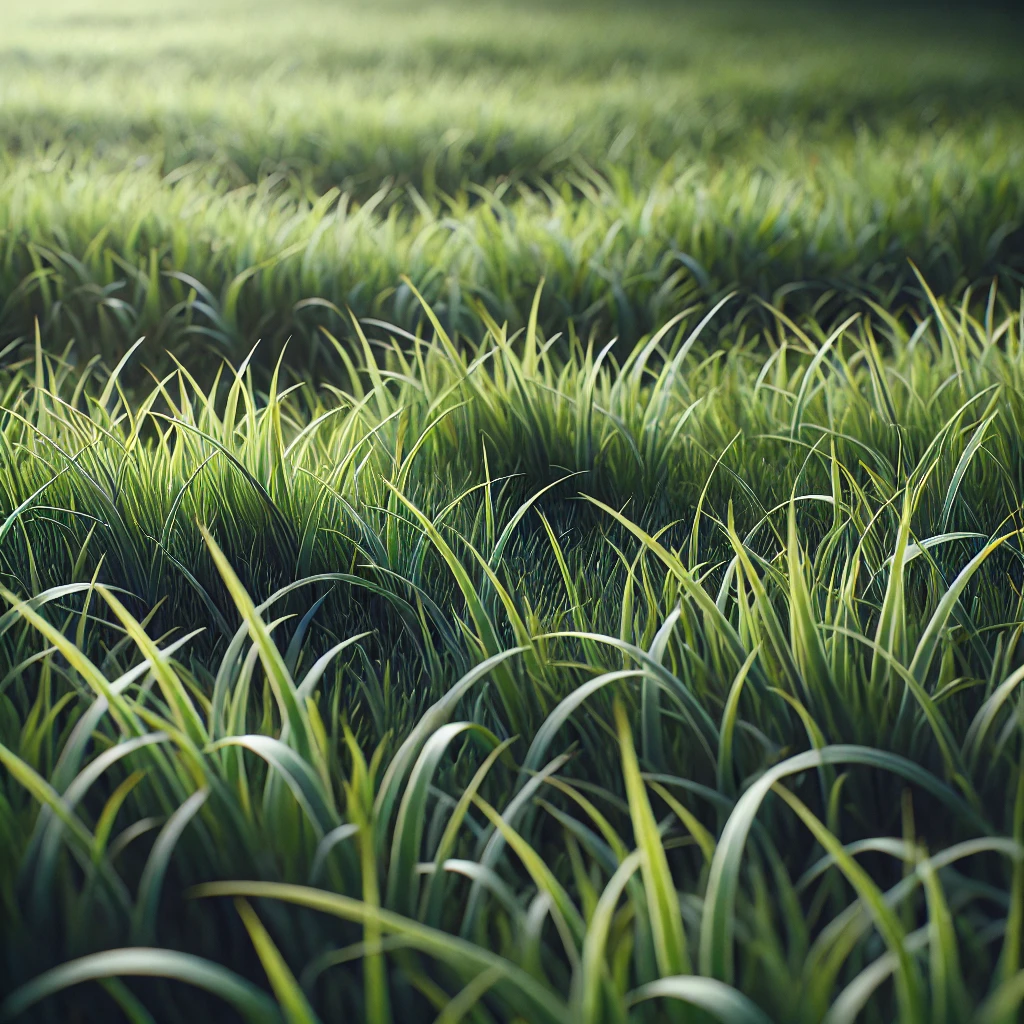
(531, 683)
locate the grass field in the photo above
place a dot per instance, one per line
(198, 176)
(599, 594)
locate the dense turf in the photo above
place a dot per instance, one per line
(478, 664)
(816, 548)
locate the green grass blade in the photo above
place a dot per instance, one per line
(253, 1005)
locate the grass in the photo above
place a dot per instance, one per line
(280, 160)
(511, 515)
(571, 688)
(206, 270)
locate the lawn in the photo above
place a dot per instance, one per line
(511, 513)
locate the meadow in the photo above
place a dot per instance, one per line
(511, 514)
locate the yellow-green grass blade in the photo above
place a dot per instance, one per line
(701, 836)
(303, 781)
(703, 726)
(659, 886)
(908, 984)
(281, 682)
(725, 770)
(693, 589)
(467, 959)
(409, 824)
(434, 890)
(144, 918)
(542, 875)
(927, 645)
(434, 717)
(186, 717)
(477, 611)
(593, 967)
(718, 921)
(294, 1005)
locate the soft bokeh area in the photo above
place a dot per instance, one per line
(640, 158)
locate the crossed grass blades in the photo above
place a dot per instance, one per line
(511, 682)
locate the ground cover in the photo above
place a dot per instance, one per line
(210, 172)
(597, 596)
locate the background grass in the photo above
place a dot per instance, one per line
(644, 646)
(639, 159)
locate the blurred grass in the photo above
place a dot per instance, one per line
(639, 160)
